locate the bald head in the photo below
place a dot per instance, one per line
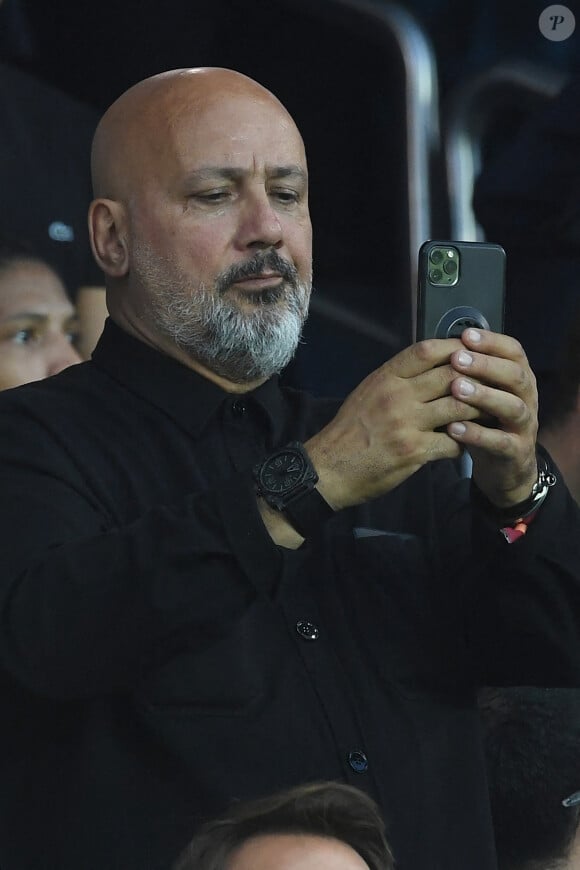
(136, 131)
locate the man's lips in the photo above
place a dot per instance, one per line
(258, 282)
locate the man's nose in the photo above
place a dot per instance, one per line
(61, 355)
(260, 225)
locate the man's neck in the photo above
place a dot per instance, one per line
(141, 331)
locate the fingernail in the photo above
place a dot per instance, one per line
(466, 388)
(458, 428)
(474, 335)
(464, 359)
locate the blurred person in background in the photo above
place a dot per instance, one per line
(45, 140)
(39, 327)
(559, 411)
(325, 824)
(528, 200)
(532, 749)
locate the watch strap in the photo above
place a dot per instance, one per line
(308, 512)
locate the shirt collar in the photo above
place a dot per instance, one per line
(185, 395)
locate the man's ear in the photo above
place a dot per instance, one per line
(108, 237)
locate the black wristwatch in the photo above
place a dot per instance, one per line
(287, 480)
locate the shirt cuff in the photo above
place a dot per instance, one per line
(246, 533)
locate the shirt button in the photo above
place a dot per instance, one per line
(307, 630)
(238, 408)
(358, 761)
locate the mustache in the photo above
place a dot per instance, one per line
(262, 261)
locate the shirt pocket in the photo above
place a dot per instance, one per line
(225, 677)
(400, 598)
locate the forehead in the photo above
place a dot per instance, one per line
(28, 286)
(231, 131)
(295, 852)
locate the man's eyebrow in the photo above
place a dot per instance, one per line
(26, 315)
(37, 317)
(235, 173)
(286, 171)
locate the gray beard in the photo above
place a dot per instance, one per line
(240, 344)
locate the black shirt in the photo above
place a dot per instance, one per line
(45, 146)
(162, 657)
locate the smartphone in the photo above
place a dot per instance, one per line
(460, 284)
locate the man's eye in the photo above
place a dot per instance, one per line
(212, 195)
(25, 336)
(74, 336)
(286, 196)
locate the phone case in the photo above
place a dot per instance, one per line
(474, 295)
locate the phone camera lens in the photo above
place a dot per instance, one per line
(450, 267)
(435, 275)
(436, 256)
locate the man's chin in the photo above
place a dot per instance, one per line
(242, 370)
(256, 298)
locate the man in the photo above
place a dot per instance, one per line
(527, 198)
(532, 747)
(305, 828)
(214, 589)
(38, 325)
(45, 139)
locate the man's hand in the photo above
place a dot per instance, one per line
(394, 422)
(497, 380)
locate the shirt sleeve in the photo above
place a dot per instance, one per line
(86, 606)
(524, 623)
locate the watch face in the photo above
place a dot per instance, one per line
(283, 471)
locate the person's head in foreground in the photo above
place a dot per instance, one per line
(532, 750)
(310, 827)
(38, 324)
(201, 222)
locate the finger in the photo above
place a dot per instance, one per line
(514, 377)
(440, 445)
(511, 411)
(502, 362)
(423, 356)
(493, 344)
(441, 412)
(497, 442)
(406, 452)
(434, 383)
